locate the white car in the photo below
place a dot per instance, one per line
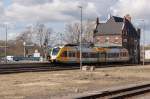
(9, 58)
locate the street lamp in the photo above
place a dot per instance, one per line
(143, 42)
(6, 26)
(24, 44)
(6, 30)
(61, 43)
(81, 39)
(143, 48)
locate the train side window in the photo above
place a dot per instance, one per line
(108, 55)
(64, 54)
(93, 55)
(85, 55)
(117, 54)
(71, 54)
(112, 55)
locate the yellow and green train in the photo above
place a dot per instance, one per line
(71, 54)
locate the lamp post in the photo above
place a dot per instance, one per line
(143, 47)
(143, 42)
(6, 30)
(6, 26)
(61, 39)
(81, 39)
(24, 49)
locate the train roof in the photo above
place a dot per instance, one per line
(71, 45)
(83, 45)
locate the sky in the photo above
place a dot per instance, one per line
(19, 14)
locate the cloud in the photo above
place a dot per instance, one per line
(59, 12)
(138, 9)
(31, 2)
(67, 10)
(1, 9)
(55, 10)
(45, 10)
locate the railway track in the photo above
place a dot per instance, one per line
(32, 67)
(117, 93)
(36, 67)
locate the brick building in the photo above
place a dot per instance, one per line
(119, 32)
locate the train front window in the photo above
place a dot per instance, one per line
(55, 51)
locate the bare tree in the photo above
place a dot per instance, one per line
(73, 32)
(42, 36)
(25, 36)
(48, 36)
(89, 26)
(40, 32)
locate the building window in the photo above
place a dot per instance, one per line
(124, 40)
(107, 39)
(116, 39)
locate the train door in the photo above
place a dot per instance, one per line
(93, 57)
(102, 57)
(77, 56)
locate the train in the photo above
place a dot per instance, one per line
(70, 53)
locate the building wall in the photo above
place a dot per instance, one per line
(108, 40)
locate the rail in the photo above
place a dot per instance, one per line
(32, 67)
(46, 66)
(117, 93)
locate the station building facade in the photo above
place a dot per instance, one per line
(118, 32)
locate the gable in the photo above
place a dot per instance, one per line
(110, 27)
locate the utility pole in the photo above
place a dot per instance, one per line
(6, 30)
(24, 49)
(143, 43)
(143, 46)
(61, 39)
(81, 39)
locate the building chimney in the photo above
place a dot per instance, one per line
(128, 17)
(97, 21)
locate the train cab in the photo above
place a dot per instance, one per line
(54, 53)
